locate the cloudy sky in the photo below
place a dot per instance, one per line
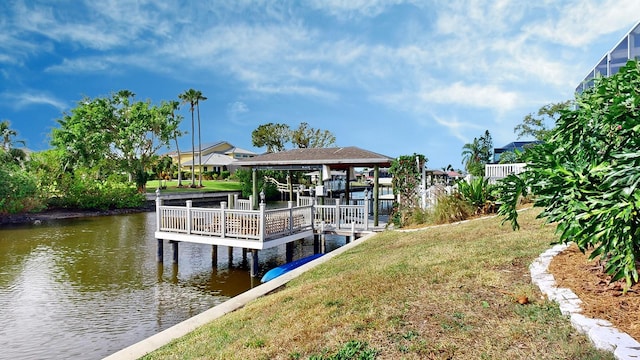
(391, 76)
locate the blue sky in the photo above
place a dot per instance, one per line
(390, 76)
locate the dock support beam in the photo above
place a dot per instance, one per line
(230, 254)
(255, 267)
(214, 256)
(160, 252)
(174, 244)
(289, 252)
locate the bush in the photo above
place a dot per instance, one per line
(451, 208)
(18, 191)
(586, 174)
(78, 192)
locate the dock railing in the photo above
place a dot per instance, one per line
(495, 172)
(260, 225)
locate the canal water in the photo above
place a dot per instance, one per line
(86, 288)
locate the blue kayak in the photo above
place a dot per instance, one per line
(283, 269)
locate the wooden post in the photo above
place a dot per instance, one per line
(160, 253)
(254, 183)
(230, 254)
(158, 211)
(323, 244)
(214, 256)
(316, 243)
(290, 185)
(289, 252)
(376, 194)
(189, 204)
(244, 254)
(174, 244)
(263, 207)
(338, 218)
(255, 266)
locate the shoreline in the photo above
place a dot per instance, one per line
(37, 218)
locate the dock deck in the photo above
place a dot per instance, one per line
(257, 229)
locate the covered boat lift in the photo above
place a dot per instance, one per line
(324, 160)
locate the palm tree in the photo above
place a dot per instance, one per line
(7, 134)
(471, 153)
(191, 96)
(199, 97)
(176, 120)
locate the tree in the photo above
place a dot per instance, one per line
(585, 175)
(477, 153)
(276, 136)
(115, 134)
(407, 173)
(307, 137)
(175, 120)
(537, 127)
(191, 96)
(273, 136)
(8, 152)
(199, 98)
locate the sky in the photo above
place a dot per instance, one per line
(394, 77)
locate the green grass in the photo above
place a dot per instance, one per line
(208, 185)
(445, 292)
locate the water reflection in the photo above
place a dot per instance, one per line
(89, 287)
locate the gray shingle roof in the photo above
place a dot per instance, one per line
(339, 158)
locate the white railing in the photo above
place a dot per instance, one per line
(499, 171)
(259, 225)
(343, 216)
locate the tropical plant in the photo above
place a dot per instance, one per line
(586, 174)
(478, 193)
(8, 152)
(407, 172)
(477, 153)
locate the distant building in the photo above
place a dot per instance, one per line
(216, 157)
(628, 48)
(512, 146)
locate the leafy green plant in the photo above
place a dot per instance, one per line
(586, 175)
(18, 191)
(352, 350)
(406, 171)
(478, 194)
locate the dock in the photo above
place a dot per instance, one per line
(237, 225)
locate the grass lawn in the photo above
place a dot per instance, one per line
(447, 292)
(208, 185)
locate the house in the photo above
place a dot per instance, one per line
(496, 171)
(520, 146)
(216, 157)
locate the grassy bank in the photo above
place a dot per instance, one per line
(208, 185)
(448, 292)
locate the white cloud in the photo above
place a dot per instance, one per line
(480, 96)
(24, 100)
(236, 108)
(580, 22)
(347, 9)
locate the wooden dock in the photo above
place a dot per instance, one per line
(254, 230)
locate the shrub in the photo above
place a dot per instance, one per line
(451, 208)
(478, 193)
(586, 174)
(18, 191)
(78, 192)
